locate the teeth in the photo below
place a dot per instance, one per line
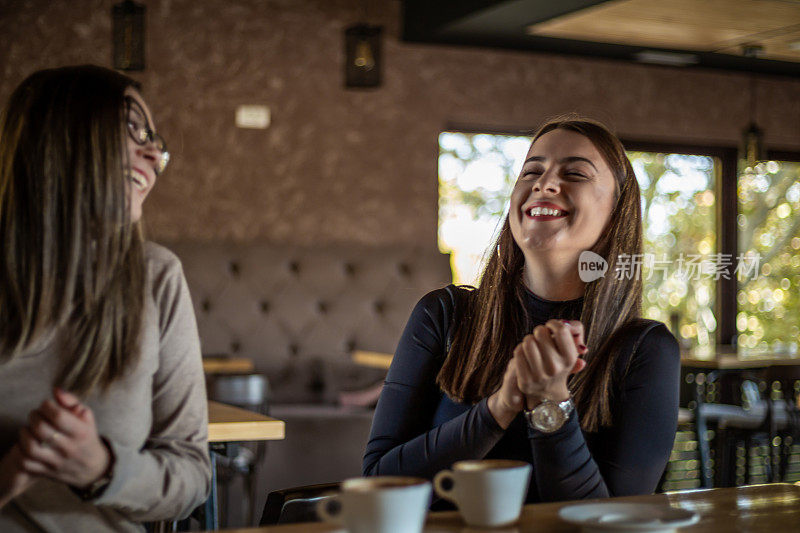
(534, 211)
(138, 180)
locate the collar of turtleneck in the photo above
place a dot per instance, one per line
(542, 310)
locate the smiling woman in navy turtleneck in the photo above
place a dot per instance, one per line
(474, 366)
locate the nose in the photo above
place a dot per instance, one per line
(548, 182)
(149, 152)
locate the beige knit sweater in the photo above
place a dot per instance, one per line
(155, 419)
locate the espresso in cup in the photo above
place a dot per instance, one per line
(488, 493)
(383, 504)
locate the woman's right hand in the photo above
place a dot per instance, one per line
(508, 400)
(13, 480)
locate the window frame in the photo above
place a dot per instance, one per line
(726, 208)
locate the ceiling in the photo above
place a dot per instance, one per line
(746, 35)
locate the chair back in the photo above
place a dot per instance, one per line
(296, 504)
(248, 391)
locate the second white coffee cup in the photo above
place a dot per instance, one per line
(383, 504)
(488, 493)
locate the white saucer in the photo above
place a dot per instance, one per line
(604, 517)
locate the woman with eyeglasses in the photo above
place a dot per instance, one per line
(103, 414)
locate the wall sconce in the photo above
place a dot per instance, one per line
(362, 46)
(128, 33)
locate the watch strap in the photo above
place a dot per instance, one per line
(97, 487)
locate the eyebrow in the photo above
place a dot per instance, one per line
(134, 106)
(571, 159)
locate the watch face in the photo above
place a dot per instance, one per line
(547, 417)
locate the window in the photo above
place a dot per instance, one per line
(679, 204)
(476, 175)
(769, 227)
(679, 219)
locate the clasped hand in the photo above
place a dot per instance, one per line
(539, 369)
(60, 442)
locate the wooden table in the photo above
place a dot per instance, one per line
(227, 365)
(738, 362)
(227, 423)
(373, 359)
(721, 361)
(772, 508)
(732, 362)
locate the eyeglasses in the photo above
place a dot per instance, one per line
(139, 130)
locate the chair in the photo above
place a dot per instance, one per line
(783, 387)
(248, 391)
(758, 421)
(296, 504)
(251, 392)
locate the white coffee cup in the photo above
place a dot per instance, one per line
(488, 493)
(382, 504)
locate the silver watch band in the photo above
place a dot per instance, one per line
(567, 406)
(549, 416)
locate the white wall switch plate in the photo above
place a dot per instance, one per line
(252, 116)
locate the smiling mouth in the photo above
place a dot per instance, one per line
(138, 180)
(545, 213)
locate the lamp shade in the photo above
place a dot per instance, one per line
(752, 149)
(363, 65)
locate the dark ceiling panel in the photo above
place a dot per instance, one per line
(514, 15)
(502, 24)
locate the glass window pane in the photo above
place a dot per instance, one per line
(679, 218)
(769, 231)
(476, 175)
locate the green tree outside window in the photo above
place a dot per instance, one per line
(769, 226)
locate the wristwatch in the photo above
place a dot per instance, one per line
(97, 487)
(549, 416)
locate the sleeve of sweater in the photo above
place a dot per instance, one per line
(630, 456)
(171, 474)
(402, 441)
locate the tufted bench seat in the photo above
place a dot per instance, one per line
(299, 312)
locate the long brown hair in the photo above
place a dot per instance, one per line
(495, 319)
(71, 262)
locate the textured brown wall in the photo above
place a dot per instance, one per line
(339, 165)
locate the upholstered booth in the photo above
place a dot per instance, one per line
(298, 313)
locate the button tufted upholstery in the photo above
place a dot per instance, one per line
(299, 312)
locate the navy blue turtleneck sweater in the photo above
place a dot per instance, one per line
(417, 430)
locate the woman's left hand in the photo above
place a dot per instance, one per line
(547, 357)
(61, 442)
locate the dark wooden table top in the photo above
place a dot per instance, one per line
(771, 508)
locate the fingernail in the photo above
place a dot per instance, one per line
(565, 321)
